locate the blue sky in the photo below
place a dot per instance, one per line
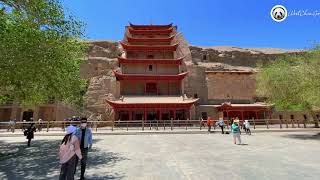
(242, 23)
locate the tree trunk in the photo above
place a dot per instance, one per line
(315, 119)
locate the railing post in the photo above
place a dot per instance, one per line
(150, 124)
(171, 123)
(164, 124)
(187, 123)
(267, 123)
(304, 123)
(142, 124)
(292, 123)
(298, 123)
(157, 125)
(280, 123)
(200, 122)
(127, 125)
(287, 126)
(254, 123)
(48, 126)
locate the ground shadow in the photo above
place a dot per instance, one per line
(303, 136)
(40, 161)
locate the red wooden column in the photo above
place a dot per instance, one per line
(145, 88)
(130, 115)
(160, 116)
(157, 88)
(256, 113)
(145, 114)
(242, 115)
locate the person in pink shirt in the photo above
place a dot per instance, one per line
(69, 149)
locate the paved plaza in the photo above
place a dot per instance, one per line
(272, 155)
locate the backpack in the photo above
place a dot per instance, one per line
(65, 149)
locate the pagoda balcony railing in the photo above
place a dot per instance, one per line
(131, 39)
(123, 60)
(129, 47)
(145, 77)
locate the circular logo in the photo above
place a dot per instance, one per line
(279, 13)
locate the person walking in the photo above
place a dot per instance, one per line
(85, 136)
(29, 133)
(247, 127)
(68, 152)
(221, 124)
(209, 124)
(236, 132)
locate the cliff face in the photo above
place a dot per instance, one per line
(102, 59)
(97, 69)
(234, 56)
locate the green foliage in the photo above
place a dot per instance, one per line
(40, 52)
(292, 82)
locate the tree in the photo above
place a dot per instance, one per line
(40, 52)
(292, 82)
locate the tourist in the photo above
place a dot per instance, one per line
(247, 127)
(29, 133)
(221, 125)
(236, 131)
(40, 124)
(209, 123)
(69, 151)
(85, 136)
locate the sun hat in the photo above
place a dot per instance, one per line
(70, 129)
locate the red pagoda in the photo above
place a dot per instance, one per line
(150, 77)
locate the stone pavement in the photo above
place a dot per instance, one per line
(278, 155)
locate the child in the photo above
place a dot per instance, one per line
(236, 132)
(247, 127)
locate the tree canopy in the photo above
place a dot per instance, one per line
(40, 52)
(292, 82)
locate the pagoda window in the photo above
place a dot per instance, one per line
(150, 56)
(150, 68)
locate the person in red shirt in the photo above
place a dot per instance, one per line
(209, 123)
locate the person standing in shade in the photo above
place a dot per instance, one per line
(236, 132)
(85, 136)
(209, 123)
(30, 133)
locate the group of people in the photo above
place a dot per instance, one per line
(74, 147)
(235, 127)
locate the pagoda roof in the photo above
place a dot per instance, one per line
(172, 47)
(132, 39)
(152, 101)
(144, 77)
(151, 26)
(150, 31)
(150, 61)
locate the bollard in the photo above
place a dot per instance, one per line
(171, 124)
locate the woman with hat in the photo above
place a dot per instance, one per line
(236, 131)
(69, 149)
